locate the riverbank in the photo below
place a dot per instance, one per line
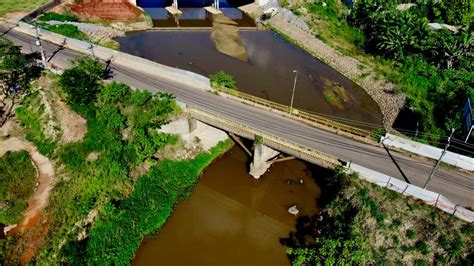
(110, 165)
(236, 219)
(363, 223)
(294, 30)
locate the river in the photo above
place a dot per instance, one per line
(267, 74)
(233, 219)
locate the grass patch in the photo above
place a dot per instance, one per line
(68, 30)
(8, 6)
(48, 16)
(17, 183)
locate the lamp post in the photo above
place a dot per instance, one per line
(293, 93)
(439, 160)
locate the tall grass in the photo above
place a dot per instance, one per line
(9, 6)
(17, 183)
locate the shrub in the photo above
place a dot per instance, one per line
(223, 80)
(411, 234)
(422, 247)
(82, 81)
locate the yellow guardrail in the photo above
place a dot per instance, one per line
(270, 140)
(298, 113)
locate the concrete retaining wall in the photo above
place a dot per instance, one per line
(450, 158)
(122, 59)
(429, 197)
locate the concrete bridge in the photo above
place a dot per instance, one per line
(267, 147)
(299, 136)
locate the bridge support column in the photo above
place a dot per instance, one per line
(260, 163)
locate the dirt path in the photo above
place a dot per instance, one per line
(45, 169)
(73, 126)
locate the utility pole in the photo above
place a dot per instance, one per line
(293, 93)
(38, 43)
(439, 160)
(91, 47)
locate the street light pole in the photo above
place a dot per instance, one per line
(439, 160)
(293, 93)
(38, 43)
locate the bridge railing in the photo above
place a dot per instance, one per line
(302, 115)
(270, 140)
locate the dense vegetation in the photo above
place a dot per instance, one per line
(434, 68)
(120, 227)
(367, 224)
(111, 188)
(17, 183)
(16, 73)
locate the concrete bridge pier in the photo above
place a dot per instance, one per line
(182, 126)
(260, 163)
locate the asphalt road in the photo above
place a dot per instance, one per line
(457, 186)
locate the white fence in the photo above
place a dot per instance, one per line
(429, 197)
(451, 158)
(122, 59)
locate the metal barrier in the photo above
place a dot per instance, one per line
(270, 140)
(399, 186)
(307, 116)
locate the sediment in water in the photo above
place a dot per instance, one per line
(226, 37)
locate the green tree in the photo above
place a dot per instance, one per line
(16, 73)
(82, 82)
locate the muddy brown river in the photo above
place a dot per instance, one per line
(233, 219)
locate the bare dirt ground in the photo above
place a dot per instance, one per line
(73, 126)
(109, 10)
(11, 19)
(225, 34)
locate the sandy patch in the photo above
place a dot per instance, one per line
(226, 37)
